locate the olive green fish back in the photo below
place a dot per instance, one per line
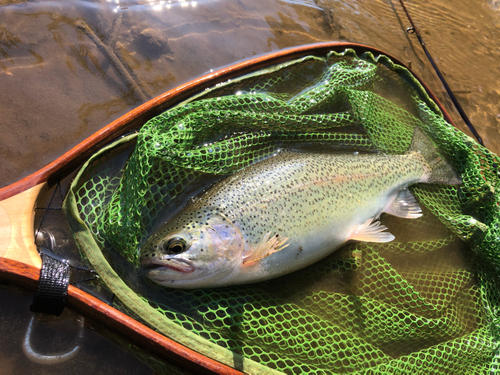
(426, 303)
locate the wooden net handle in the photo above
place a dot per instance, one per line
(17, 217)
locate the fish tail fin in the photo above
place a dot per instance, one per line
(439, 170)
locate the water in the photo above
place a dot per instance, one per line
(59, 86)
(55, 336)
(68, 69)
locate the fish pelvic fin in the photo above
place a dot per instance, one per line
(267, 246)
(404, 205)
(372, 231)
(439, 170)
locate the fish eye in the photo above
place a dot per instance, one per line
(175, 245)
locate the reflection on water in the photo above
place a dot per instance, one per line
(68, 69)
(50, 337)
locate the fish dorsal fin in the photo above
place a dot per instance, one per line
(372, 231)
(404, 205)
(267, 246)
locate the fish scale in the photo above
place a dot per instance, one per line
(287, 212)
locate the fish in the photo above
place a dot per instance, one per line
(287, 212)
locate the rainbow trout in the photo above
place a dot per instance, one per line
(287, 212)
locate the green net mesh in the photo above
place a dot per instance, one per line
(426, 303)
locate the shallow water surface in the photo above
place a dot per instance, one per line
(68, 69)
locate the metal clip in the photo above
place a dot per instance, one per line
(40, 239)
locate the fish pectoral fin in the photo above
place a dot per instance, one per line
(267, 246)
(372, 231)
(404, 205)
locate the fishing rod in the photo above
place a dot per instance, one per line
(414, 30)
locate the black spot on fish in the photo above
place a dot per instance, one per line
(299, 251)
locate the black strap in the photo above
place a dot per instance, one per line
(52, 292)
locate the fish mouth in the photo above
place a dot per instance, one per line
(154, 265)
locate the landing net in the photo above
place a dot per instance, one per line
(426, 303)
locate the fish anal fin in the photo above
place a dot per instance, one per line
(267, 246)
(372, 231)
(404, 205)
